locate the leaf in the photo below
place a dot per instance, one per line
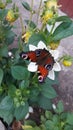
(31, 24)
(63, 30)
(6, 109)
(3, 13)
(49, 125)
(6, 103)
(63, 19)
(7, 116)
(68, 127)
(20, 112)
(44, 102)
(1, 75)
(10, 37)
(4, 51)
(70, 118)
(8, 1)
(11, 90)
(20, 72)
(60, 107)
(48, 91)
(26, 6)
(35, 38)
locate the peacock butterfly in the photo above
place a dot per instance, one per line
(43, 59)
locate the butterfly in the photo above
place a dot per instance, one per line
(43, 59)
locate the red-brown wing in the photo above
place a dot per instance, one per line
(31, 55)
(42, 72)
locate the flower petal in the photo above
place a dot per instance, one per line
(57, 67)
(30, 109)
(27, 116)
(55, 53)
(48, 27)
(32, 67)
(32, 47)
(41, 45)
(51, 75)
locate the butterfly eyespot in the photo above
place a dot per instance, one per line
(24, 55)
(48, 66)
(40, 78)
(38, 52)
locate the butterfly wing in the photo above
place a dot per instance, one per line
(42, 73)
(43, 59)
(31, 55)
(45, 64)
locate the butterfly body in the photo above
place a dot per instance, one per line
(43, 59)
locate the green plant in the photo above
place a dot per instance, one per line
(56, 120)
(19, 87)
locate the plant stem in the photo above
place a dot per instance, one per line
(38, 12)
(22, 26)
(31, 13)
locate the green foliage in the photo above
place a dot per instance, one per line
(20, 88)
(19, 72)
(35, 38)
(26, 6)
(51, 120)
(21, 111)
(1, 75)
(31, 24)
(64, 30)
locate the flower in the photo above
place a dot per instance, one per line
(11, 16)
(33, 67)
(54, 106)
(67, 60)
(30, 111)
(47, 16)
(67, 63)
(26, 36)
(51, 4)
(2, 5)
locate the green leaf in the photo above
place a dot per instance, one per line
(20, 112)
(10, 37)
(6, 103)
(68, 127)
(7, 116)
(3, 13)
(35, 38)
(24, 84)
(26, 6)
(11, 90)
(70, 118)
(1, 75)
(48, 91)
(20, 72)
(6, 109)
(63, 30)
(31, 23)
(60, 107)
(4, 51)
(8, 1)
(63, 19)
(49, 125)
(44, 102)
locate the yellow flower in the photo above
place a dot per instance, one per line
(67, 60)
(11, 16)
(2, 5)
(26, 127)
(67, 63)
(51, 4)
(47, 16)
(26, 36)
(54, 45)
